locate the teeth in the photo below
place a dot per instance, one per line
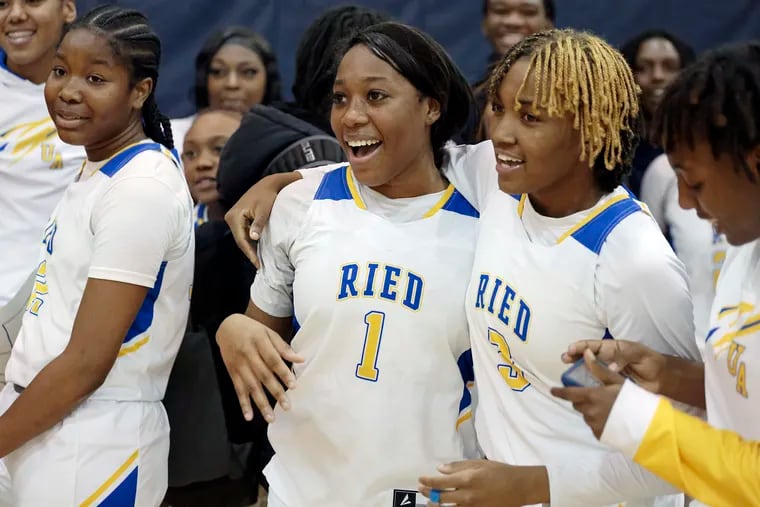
(366, 142)
(508, 160)
(20, 34)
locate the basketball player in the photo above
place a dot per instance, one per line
(708, 126)
(82, 422)
(563, 251)
(379, 324)
(35, 166)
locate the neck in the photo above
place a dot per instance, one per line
(421, 177)
(567, 197)
(37, 72)
(134, 133)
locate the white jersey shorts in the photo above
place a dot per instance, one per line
(105, 453)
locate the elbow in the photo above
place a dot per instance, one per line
(88, 372)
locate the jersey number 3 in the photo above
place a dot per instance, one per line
(367, 367)
(511, 374)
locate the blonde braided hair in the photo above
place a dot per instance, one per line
(580, 74)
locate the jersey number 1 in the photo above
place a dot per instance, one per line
(367, 367)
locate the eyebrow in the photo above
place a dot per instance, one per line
(101, 61)
(368, 79)
(525, 101)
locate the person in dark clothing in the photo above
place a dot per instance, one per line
(656, 57)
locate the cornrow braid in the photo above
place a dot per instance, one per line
(722, 86)
(136, 44)
(579, 74)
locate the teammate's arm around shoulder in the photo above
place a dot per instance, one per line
(253, 345)
(126, 260)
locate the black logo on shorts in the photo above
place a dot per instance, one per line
(404, 498)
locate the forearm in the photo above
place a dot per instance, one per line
(714, 466)
(53, 394)
(684, 381)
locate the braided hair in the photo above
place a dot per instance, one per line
(315, 62)
(579, 74)
(134, 42)
(722, 86)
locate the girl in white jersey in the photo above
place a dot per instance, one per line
(369, 262)
(563, 251)
(82, 422)
(707, 124)
(35, 165)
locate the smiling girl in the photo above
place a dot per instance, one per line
(82, 409)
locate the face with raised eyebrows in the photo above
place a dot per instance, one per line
(381, 120)
(90, 96)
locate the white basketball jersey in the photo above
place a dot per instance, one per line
(382, 328)
(527, 302)
(35, 169)
(731, 352)
(142, 368)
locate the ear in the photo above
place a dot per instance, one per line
(753, 161)
(432, 111)
(141, 92)
(69, 11)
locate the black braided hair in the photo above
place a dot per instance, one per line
(134, 42)
(315, 63)
(716, 99)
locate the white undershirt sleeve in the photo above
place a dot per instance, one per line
(272, 289)
(472, 170)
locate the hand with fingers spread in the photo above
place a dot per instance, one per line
(483, 483)
(595, 403)
(255, 356)
(631, 359)
(248, 217)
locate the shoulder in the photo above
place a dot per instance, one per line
(295, 199)
(155, 164)
(636, 250)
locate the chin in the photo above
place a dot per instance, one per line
(72, 137)
(510, 187)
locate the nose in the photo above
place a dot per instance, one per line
(70, 92)
(513, 18)
(18, 12)
(501, 128)
(206, 161)
(232, 81)
(658, 74)
(355, 114)
(686, 198)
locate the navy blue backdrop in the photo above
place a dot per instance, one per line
(184, 24)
